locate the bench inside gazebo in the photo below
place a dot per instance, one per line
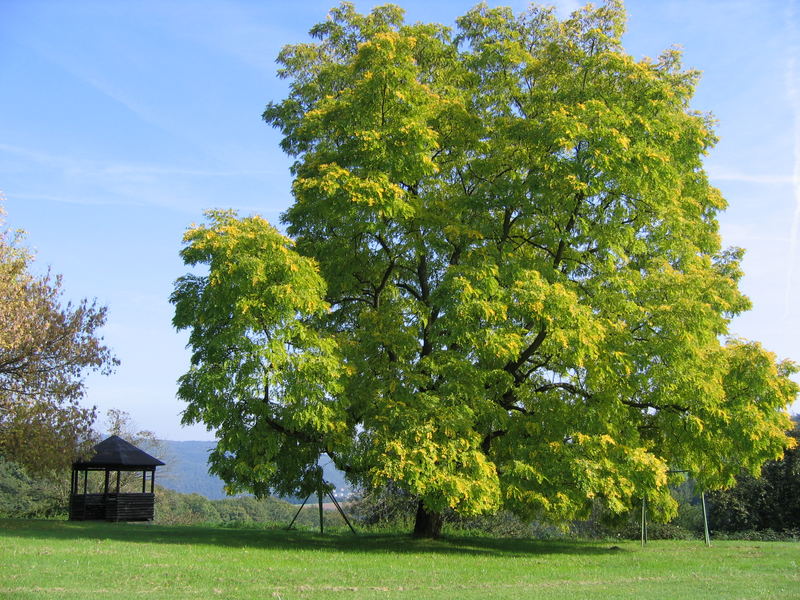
(113, 456)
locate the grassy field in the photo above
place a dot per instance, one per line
(59, 559)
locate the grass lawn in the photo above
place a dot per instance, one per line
(60, 559)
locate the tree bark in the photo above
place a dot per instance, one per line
(427, 524)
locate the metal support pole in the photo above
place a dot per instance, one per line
(644, 521)
(319, 501)
(705, 518)
(85, 484)
(341, 512)
(298, 511)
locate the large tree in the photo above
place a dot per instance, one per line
(503, 285)
(47, 347)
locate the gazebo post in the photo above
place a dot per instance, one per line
(85, 481)
(117, 481)
(144, 480)
(153, 481)
(105, 488)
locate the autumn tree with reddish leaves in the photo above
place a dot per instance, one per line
(47, 347)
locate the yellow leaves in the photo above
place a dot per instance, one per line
(336, 187)
(695, 423)
(621, 139)
(655, 156)
(438, 461)
(487, 310)
(458, 230)
(576, 184)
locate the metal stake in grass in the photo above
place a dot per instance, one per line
(298, 512)
(319, 501)
(644, 521)
(321, 490)
(705, 518)
(705, 512)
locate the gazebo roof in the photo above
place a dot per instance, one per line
(116, 453)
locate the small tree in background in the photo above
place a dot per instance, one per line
(120, 423)
(504, 285)
(46, 350)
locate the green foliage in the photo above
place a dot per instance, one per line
(174, 508)
(393, 509)
(761, 535)
(387, 506)
(26, 497)
(505, 285)
(259, 370)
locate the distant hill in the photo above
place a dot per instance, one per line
(187, 472)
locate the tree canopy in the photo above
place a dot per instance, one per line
(502, 285)
(46, 349)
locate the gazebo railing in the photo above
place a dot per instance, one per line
(112, 507)
(111, 504)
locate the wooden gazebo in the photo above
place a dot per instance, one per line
(113, 455)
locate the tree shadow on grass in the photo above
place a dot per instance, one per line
(281, 539)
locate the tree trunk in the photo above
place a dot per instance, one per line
(427, 524)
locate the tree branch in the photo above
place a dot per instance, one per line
(513, 367)
(489, 438)
(572, 389)
(645, 405)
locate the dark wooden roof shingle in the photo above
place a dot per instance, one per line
(115, 452)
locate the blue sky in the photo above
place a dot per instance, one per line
(120, 122)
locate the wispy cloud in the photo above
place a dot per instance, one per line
(91, 76)
(239, 30)
(136, 170)
(744, 233)
(762, 178)
(792, 73)
(67, 199)
(84, 181)
(107, 89)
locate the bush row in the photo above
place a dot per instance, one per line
(390, 509)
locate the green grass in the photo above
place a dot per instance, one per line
(59, 559)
